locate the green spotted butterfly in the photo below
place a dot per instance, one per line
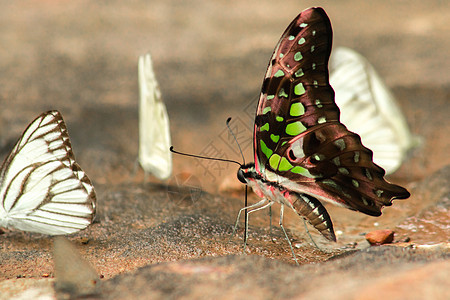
(303, 154)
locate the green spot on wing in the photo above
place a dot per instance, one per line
(379, 193)
(275, 138)
(291, 37)
(297, 109)
(266, 109)
(279, 119)
(298, 56)
(340, 143)
(274, 160)
(301, 170)
(282, 93)
(364, 201)
(285, 165)
(265, 127)
(301, 41)
(295, 128)
(356, 157)
(270, 97)
(343, 171)
(337, 161)
(279, 73)
(318, 156)
(321, 120)
(331, 183)
(299, 89)
(299, 73)
(318, 103)
(265, 149)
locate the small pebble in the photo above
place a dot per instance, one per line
(380, 237)
(84, 240)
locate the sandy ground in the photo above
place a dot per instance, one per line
(210, 58)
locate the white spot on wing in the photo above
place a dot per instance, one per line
(297, 148)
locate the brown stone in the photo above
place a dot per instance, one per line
(380, 237)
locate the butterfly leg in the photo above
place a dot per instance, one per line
(262, 202)
(285, 234)
(270, 221)
(253, 210)
(309, 234)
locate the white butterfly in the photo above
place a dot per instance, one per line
(154, 130)
(369, 109)
(42, 188)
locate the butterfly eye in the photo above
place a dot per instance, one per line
(240, 176)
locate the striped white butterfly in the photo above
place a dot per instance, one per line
(42, 188)
(154, 130)
(369, 109)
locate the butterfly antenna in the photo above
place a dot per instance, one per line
(232, 133)
(204, 157)
(246, 186)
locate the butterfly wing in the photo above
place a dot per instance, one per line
(369, 108)
(296, 82)
(298, 138)
(42, 188)
(154, 130)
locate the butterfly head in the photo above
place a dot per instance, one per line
(247, 172)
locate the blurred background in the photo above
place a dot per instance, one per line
(210, 58)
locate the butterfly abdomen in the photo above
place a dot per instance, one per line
(306, 206)
(314, 212)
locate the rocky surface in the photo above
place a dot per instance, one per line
(166, 240)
